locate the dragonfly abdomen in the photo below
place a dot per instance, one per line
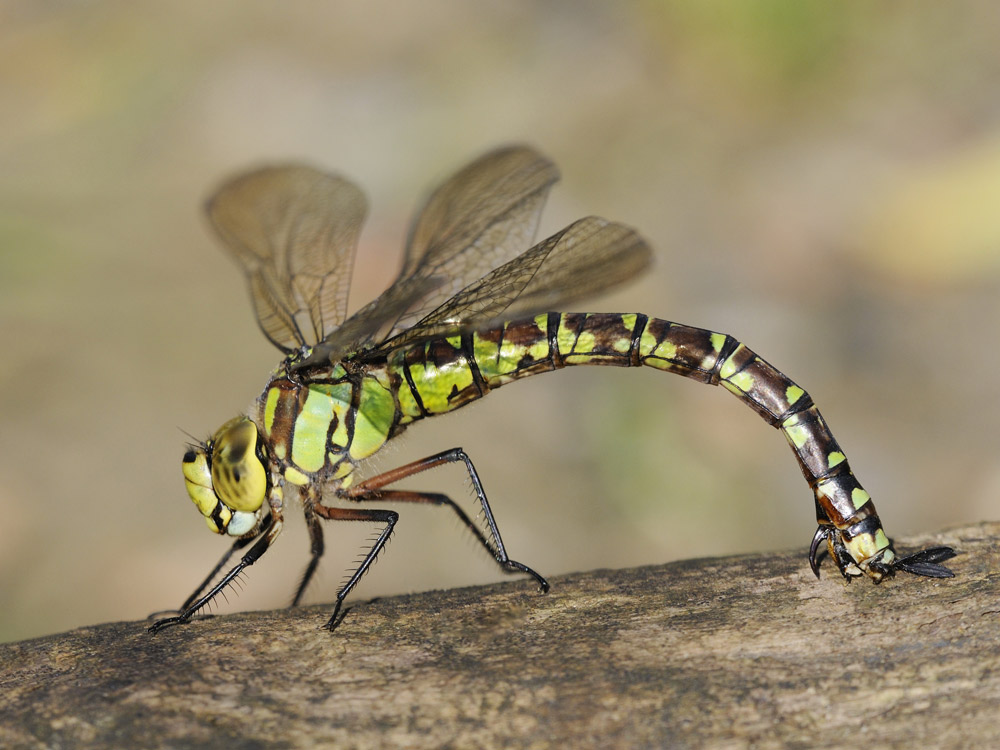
(444, 374)
(717, 358)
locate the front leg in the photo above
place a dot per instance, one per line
(261, 545)
(236, 547)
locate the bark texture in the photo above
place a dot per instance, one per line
(746, 651)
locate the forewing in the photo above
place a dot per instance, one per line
(293, 230)
(588, 256)
(478, 219)
(468, 204)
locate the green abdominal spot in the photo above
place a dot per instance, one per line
(495, 361)
(436, 384)
(499, 364)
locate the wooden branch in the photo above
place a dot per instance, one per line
(727, 652)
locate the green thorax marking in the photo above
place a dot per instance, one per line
(322, 427)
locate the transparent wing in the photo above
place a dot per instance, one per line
(492, 205)
(478, 219)
(588, 256)
(293, 230)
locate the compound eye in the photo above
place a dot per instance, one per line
(198, 480)
(238, 475)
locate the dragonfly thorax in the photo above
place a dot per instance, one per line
(227, 478)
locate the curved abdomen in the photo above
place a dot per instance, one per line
(445, 374)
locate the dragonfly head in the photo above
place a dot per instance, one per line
(227, 478)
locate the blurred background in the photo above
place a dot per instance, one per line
(820, 180)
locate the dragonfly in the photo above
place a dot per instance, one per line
(469, 312)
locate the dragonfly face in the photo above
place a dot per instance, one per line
(227, 479)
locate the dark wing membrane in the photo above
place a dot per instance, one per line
(588, 256)
(478, 219)
(294, 230)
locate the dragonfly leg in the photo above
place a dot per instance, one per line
(261, 543)
(236, 547)
(316, 546)
(372, 489)
(386, 517)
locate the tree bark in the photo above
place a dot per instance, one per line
(726, 652)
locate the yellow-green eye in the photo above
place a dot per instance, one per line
(198, 480)
(238, 476)
(229, 486)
